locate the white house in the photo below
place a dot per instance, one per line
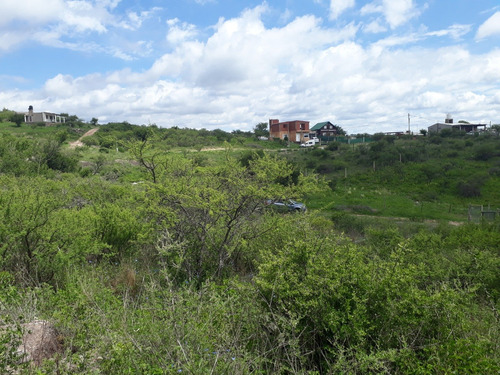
(47, 117)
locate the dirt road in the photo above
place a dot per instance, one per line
(79, 143)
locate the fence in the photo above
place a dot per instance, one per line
(345, 140)
(478, 213)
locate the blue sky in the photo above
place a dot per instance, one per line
(232, 64)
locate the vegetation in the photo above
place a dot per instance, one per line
(153, 252)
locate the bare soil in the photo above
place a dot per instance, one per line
(79, 143)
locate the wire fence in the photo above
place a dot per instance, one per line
(347, 140)
(479, 213)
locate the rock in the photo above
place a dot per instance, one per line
(40, 341)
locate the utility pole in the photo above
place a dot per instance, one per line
(409, 124)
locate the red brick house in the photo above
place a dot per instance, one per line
(294, 131)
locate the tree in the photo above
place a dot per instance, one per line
(423, 132)
(340, 131)
(210, 215)
(260, 130)
(94, 121)
(17, 118)
(151, 158)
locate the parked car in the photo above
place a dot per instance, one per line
(310, 143)
(287, 205)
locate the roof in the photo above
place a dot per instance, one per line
(319, 125)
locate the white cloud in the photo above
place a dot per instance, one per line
(337, 7)
(180, 31)
(203, 2)
(245, 73)
(396, 12)
(64, 23)
(374, 27)
(135, 20)
(454, 31)
(29, 11)
(371, 8)
(490, 27)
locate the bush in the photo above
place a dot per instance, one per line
(350, 310)
(348, 224)
(333, 146)
(469, 189)
(325, 168)
(484, 152)
(472, 187)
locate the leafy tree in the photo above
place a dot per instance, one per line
(260, 130)
(17, 118)
(209, 214)
(94, 121)
(149, 156)
(72, 120)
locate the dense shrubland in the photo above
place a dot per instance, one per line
(186, 270)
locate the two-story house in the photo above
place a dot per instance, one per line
(294, 131)
(326, 129)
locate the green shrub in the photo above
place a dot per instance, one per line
(484, 152)
(352, 310)
(348, 224)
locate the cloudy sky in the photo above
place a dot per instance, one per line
(230, 64)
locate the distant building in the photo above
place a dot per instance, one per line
(326, 129)
(448, 124)
(294, 131)
(46, 117)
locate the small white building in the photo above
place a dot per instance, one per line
(47, 117)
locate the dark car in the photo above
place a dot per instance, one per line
(287, 205)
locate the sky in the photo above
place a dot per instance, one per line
(368, 66)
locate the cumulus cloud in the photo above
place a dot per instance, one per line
(29, 11)
(490, 27)
(337, 7)
(245, 72)
(65, 23)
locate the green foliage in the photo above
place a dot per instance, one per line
(485, 152)
(354, 310)
(10, 338)
(206, 230)
(185, 270)
(17, 118)
(260, 130)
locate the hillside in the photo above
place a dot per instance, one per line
(148, 255)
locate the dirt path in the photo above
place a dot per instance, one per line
(79, 143)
